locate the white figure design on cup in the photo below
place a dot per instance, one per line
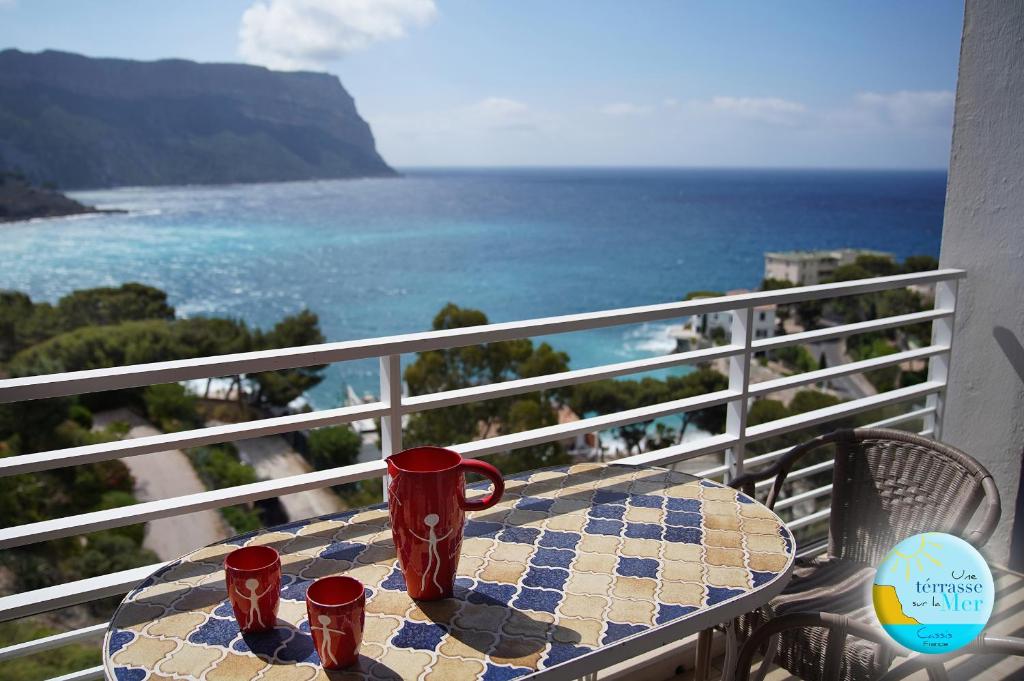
(433, 557)
(326, 632)
(254, 600)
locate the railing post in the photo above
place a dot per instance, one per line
(938, 365)
(390, 394)
(739, 380)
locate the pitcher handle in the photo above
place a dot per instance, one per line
(490, 472)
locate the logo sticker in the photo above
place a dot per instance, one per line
(933, 593)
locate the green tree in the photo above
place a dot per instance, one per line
(333, 446)
(877, 265)
(763, 411)
(278, 388)
(782, 312)
(474, 365)
(170, 406)
(920, 263)
(106, 306)
(134, 342)
(809, 400)
(700, 382)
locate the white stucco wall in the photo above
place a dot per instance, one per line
(983, 233)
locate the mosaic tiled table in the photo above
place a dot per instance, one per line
(576, 569)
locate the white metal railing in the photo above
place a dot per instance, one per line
(391, 407)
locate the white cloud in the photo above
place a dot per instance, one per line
(625, 109)
(306, 34)
(763, 109)
(906, 108)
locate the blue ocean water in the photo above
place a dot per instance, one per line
(382, 256)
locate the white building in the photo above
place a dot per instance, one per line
(705, 324)
(807, 268)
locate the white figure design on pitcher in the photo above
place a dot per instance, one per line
(326, 632)
(253, 599)
(433, 557)
(393, 492)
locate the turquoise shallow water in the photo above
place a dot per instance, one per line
(377, 257)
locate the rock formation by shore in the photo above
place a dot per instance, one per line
(20, 200)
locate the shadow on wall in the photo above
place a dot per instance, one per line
(1014, 352)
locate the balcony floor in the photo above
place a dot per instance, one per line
(1007, 620)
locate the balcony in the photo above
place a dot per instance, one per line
(919, 407)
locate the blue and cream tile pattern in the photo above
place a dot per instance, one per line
(570, 560)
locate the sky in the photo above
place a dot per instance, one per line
(798, 83)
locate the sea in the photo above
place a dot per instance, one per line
(375, 257)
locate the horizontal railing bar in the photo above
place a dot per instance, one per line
(680, 452)
(84, 675)
(810, 418)
(45, 530)
(75, 456)
(803, 496)
(884, 423)
(566, 430)
(902, 418)
(831, 332)
(60, 640)
(96, 380)
(60, 596)
(803, 521)
(808, 377)
(815, 549)
(524, 385)
(798, 473)
(712, 472)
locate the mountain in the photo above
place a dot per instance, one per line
(83, 122)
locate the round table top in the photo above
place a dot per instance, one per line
(571, 561)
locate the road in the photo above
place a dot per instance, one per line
(273, 458)
(846, 387)
(162, 475)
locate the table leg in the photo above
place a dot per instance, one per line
(702, 666)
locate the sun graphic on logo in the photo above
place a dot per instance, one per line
(912, 558)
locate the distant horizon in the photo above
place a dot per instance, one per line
(866, 169)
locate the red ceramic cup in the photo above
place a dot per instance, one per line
(427, 502)
(253, 576)
(336, 607)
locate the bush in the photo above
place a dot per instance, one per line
(81, 415)
(242, 519)
(763, 411)
(797, 357)
(218, 466)
(333, 447)
(70, 659)
(170, 406)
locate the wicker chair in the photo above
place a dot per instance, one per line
(839, 627)
(887, 486)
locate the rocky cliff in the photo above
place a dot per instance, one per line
(83, 122)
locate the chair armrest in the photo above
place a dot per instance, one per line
(838, 626)
(782, 466)
(990, 516)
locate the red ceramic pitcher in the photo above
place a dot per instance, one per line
(427, 501)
